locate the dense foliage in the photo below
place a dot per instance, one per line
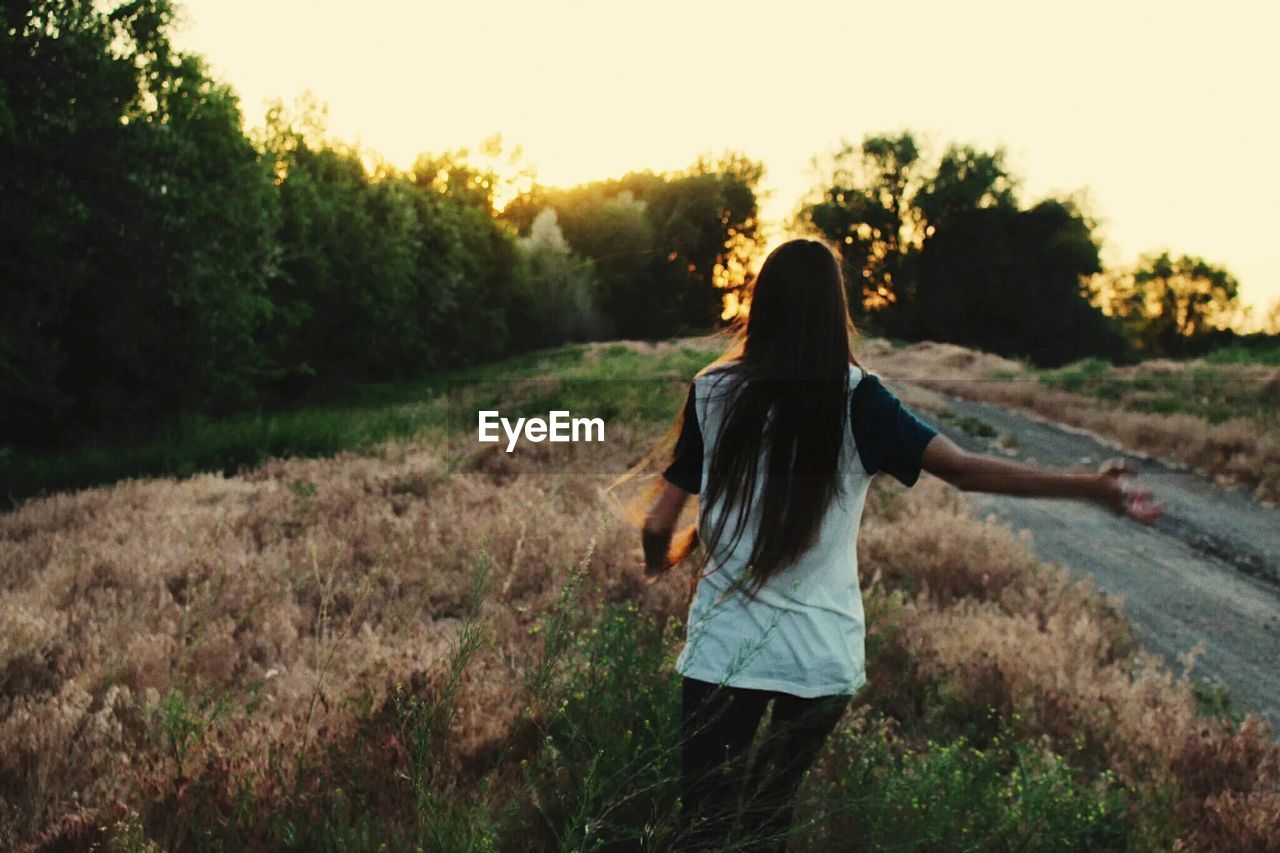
(941, 248)
(136, 223)
(159, 263)
(1167, 304)
(659, 264)
(156, 260)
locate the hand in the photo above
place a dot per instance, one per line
(1121, 497)
(648, 574)
(652, 573)
(651, 577)
(654, 553)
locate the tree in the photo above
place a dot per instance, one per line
(666, 248)
(383, 274)
(557, 290)
(964, 180)
(619, 237)
(707, 220)
(866, 206)
(469, 260)
(883, 199)
(135, 224)
(941, 249)
(1012, 282)
(1166, 302)
(902, 218)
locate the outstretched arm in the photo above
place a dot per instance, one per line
(975, 472)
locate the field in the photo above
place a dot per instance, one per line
(1219, 416)
(418, 644)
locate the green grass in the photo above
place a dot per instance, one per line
(196, 444)
(1082, 375)
(613, 739)
(616, 383)
(1215, 391)
(1245, 355)
(953, 795)
(968, 424)
(1213, 700)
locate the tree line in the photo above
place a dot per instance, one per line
(156, 258)
(942, 248)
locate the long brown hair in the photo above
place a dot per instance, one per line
(789, 407)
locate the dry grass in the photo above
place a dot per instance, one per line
(296, 595)
(172, 650)
(1238, 450)
(994, 630)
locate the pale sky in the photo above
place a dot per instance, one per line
(1164, 112)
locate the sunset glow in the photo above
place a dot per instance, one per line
(1155, 111)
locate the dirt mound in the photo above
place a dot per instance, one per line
(935, 360)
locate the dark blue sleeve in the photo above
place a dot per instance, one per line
(685, 469)
(889, 436)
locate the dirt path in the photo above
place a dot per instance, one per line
(1206, 573)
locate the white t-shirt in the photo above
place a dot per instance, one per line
(804, 632)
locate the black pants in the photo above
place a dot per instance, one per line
(726, 803)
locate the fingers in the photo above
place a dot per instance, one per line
(1139, 509)
(1147, 514)
(1132, 494)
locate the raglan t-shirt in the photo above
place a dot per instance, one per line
(889, 437)
(804, 632)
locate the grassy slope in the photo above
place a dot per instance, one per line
(1218, 417)
(415, 646)
(1228, 420)
(355, 421)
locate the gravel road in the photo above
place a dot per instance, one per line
(1207, 572)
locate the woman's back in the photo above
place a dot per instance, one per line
(802, 631)
(793, 441)
(713, 392)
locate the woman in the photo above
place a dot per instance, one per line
(780, 438)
